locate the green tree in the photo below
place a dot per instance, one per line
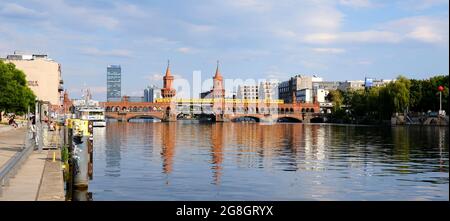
(15, 95)
(399, 93)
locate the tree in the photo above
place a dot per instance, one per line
(15, 95)
(335, 96)
(399, 93)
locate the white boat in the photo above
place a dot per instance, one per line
(88, 109)
(94, 114)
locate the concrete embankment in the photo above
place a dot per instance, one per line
(39, 178)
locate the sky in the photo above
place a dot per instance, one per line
(253, 39)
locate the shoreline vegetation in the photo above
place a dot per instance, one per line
(377, 105)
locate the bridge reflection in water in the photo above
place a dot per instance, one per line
(251, 161)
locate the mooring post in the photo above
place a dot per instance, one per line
(70, 170)
(90, 145)
(80, 153)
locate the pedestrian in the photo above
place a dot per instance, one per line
(12, 122)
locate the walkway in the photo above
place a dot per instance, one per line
(11, 142)
(39, 178)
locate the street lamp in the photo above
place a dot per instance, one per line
(440, 89)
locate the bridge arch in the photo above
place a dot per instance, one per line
(289, 119)
(144, 116)
(245, 118)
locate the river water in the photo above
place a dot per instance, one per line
(251, 161)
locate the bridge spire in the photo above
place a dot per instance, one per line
(167, 91)
(168, 68)
(218, 75)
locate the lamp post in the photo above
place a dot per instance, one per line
(440, 89)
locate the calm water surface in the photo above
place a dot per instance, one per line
(251, 161)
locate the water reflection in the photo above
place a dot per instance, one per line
(168, 137)
(242, 161)
(217, 151)
(114, 141)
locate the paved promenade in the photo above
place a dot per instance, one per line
(39, 178)
(11, 142)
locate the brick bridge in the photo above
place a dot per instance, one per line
(223, 110)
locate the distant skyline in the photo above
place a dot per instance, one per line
(253, 39)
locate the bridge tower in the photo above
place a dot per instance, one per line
(167, 91)
(218, 94)
(218, 90)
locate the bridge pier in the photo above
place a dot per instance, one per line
(172, 117)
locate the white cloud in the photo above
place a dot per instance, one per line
(197, 28)
(370, 36)
(186, 50)
(422, 28)
(110, 53)
(357, 3)
(421, 4)
(12, 9)
(64, 13)
(251, 5)
(155, 77)
(320, 38)
(321, 18)
(329, 50)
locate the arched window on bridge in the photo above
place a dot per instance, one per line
(311, 110)
(124, 108)
(145, 109)
(291, 110)
(303, 110)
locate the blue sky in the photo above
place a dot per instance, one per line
(253, 39)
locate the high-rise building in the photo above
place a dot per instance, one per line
(113, 82)
(152, 93)
(43, 75)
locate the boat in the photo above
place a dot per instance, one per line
(88, 109)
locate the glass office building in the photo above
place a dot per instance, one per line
(113, 82)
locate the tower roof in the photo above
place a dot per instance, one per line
(168, 68)
(217, 75)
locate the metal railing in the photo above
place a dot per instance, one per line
(13, 165)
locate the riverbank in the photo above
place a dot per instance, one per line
(39, 178)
